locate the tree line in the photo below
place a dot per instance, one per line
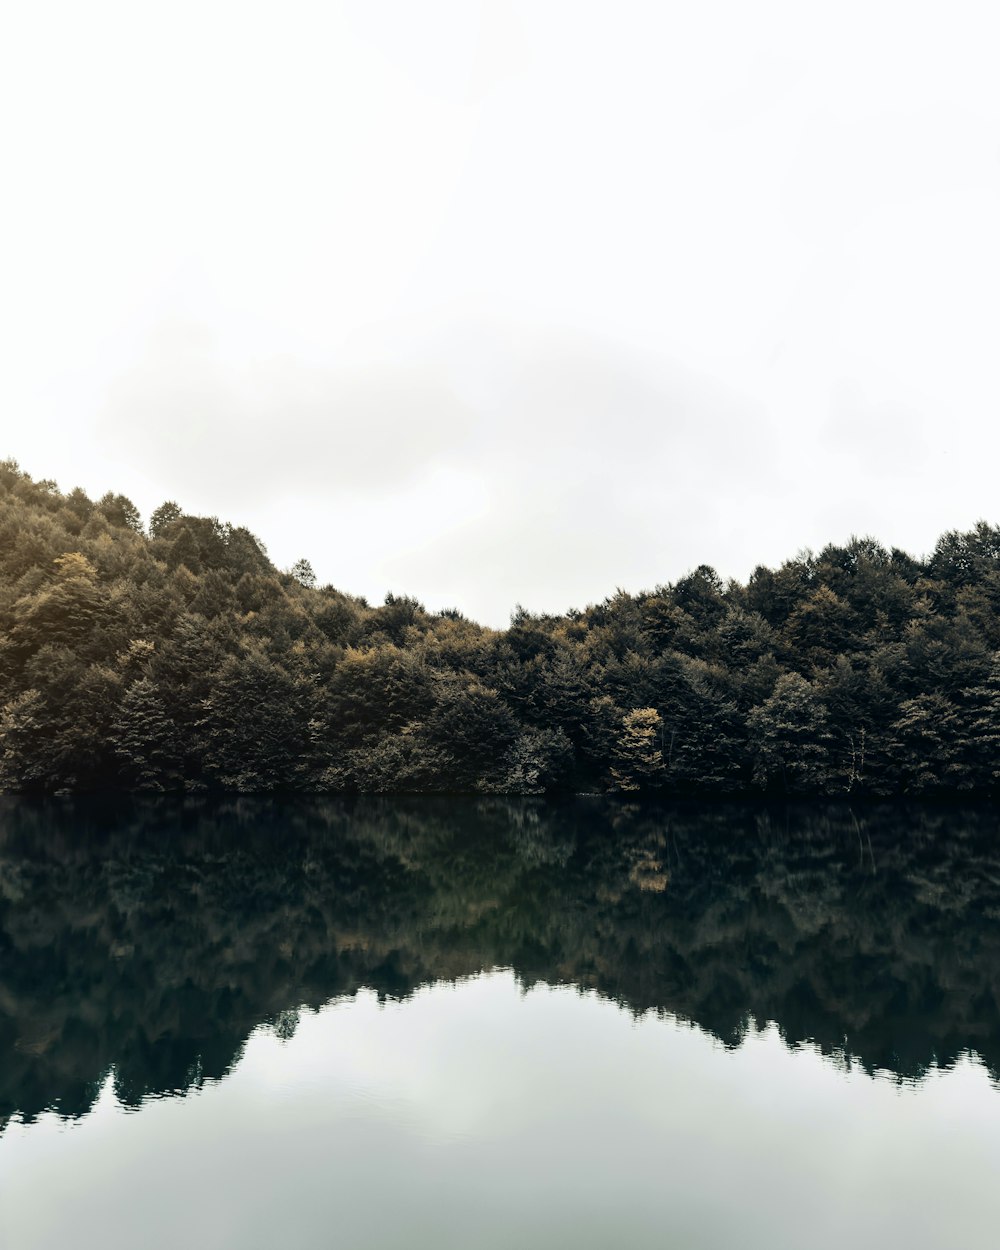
(176, 656)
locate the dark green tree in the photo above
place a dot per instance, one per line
(163, 517)
(146, 740)
(790, 741)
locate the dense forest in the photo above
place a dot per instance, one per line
(147, 939)
(177, 657)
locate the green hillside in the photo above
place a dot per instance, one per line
(177, 656)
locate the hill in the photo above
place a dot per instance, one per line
(177, 657)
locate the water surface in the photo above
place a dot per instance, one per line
(486, 1024)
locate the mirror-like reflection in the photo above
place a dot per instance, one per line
(146, 941)
(478, 1114)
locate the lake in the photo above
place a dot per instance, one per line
(482, 1023)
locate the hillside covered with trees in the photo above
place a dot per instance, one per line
(177, 657)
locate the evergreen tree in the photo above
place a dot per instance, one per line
(922, 749)
(790, 741)
(145, 739)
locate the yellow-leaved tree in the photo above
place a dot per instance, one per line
(638, 759)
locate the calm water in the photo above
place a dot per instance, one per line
(460, 1024)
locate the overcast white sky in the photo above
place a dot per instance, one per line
(508, 302)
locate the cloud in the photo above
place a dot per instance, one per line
(262, 428)
(473, 463)
(604, 468)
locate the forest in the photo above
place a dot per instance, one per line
(176, 657)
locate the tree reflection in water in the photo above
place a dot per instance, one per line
(147, 939)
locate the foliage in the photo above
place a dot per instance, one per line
(183, 659)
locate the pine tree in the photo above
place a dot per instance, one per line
(146, 740)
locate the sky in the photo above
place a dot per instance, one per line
(503, 302)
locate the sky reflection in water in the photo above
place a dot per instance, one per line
(477, 1114)
(492, 1025)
